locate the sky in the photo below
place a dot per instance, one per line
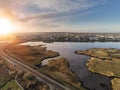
(63, 15)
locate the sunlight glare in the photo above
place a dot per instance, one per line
(6, 26)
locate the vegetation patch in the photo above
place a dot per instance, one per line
(101, 53)
(106, 62)
(59, 70)
(12, 85)
(4, 74)
(32, 55)
(116, 84)
(106, 67)
(29, 82)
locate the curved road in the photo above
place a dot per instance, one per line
(54, 85)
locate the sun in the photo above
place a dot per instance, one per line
(6, 26)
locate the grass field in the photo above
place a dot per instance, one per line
(11, 85)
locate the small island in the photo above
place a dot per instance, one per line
(104, 61)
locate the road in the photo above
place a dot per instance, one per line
(54, 85)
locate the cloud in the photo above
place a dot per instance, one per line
(47, 10)
(59, 5)
(54, 6)
(57, 9)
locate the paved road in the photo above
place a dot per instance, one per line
(54, 85)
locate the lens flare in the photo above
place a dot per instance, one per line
(6, 26)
